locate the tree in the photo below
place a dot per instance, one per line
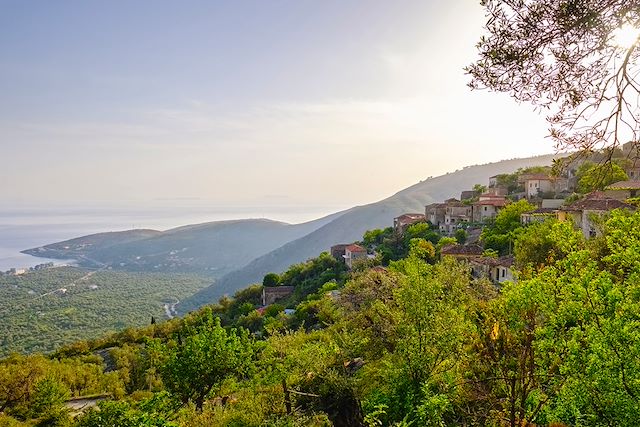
(271, 279)
(506, 227)
(569, 57)
(204, 358)
(592, 177)
(479, 189)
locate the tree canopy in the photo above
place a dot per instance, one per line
(577, 59)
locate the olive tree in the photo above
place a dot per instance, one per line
(576, 59)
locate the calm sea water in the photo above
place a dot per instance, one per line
(22, 229)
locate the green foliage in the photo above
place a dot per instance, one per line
(39, 316)
(49, 396)
(592, 177)
(541, 244)
(412, 344)
(271, 279)
(461, 236)
(479, 189)
(421, 249)
(203, 356)
(501, 234)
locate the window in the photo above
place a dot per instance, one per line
(504, 272)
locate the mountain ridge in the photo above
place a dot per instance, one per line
(351, 225)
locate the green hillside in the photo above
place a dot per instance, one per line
(213, 248)
(42, 310)
(351, 225)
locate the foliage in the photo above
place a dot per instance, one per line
(592, 177)
(271, 279)
(417, 343)
(42, 310)
(203, 356)
(564, 56)
(501, 234)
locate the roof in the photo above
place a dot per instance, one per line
(598, 201)
(278, 289)
(624, 185)
(410, 216)
(340, 247)
(490, 196)
(542, 211)
(492, 202)
(436, 206)
(462, 250)
(355, 248)
(538, 176)
(504, 261)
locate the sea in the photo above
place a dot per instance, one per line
(25, 228)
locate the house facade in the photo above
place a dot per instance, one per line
(538, 215)
(623, 190)
(585, 213)
(497, 270)
(353, 253)
(487, 207)
(456, 213)
(401, 222)
(271, 294)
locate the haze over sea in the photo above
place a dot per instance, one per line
(24, 228)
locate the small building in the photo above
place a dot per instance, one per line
(537, 184)
(401, 222)
(487, 207)
(468, 195)
(538, 215)
(338, 251)
(623, 190)
(583, 211)
(462, 252)
(271, 294)
(353, 253)
(497, 270)
(435, 212)
(456, 213)
(493, 181)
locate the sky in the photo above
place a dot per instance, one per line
(266, 102)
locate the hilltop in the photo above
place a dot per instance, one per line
(351, 224)
(212, 248)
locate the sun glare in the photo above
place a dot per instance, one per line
(626, 36)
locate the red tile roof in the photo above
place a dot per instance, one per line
(492, 202)
(410, 217)
(462, 250)
(355, 248)
(598, 201)
(625, 185)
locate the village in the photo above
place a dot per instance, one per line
(552, 195)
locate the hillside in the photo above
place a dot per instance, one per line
(351, 225)
(213, 248)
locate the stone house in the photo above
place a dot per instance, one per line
(462, 252)
(497, 270)
(537, 184)
(623, 190)
(401, 222)
(338, 251)
(584, 213)
(487, 207)
(353, 253)
(435, 212)
(271, 294)
(538, 215)
(456, 213)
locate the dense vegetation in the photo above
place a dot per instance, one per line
(416, 343)
(45, 309)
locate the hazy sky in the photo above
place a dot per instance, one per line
(294, 102)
